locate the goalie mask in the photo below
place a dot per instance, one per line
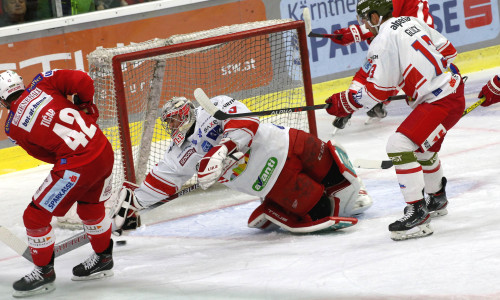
(10, 83)
(366, 8)
(178, 115)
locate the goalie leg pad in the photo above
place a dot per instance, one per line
(272, 212)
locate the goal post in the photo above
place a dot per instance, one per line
(263, 64)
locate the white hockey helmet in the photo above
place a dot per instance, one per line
(178, 115)
(10, 82)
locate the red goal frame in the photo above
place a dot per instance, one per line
(124, 133)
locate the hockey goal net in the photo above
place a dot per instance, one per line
(263, 64)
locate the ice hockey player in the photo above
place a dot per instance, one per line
(305, 184)
(51, 128)
(407, 54)
(356, 33)
(491, 91)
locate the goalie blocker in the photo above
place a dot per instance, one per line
(344, 199)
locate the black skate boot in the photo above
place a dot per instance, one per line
(415, 223)
(437, 202)
(98, 265)
(39, 281)
(377, 113)
(341, 122)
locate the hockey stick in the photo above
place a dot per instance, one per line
(76, 241)
(306, 15)
(205, 102)
(386, 164)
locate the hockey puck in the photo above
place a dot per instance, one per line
(121, 243)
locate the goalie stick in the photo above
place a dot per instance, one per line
(386, 164)
(76, 241)
(205, 102)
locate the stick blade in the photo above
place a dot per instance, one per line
(306, 15)
(13, 242)
(204, 101)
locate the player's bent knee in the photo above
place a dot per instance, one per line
(36, 218)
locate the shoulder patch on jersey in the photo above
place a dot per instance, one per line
(35, 81)
(10, 117)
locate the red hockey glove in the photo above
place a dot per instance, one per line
(491, 91)
(212, 165)
(342, 104)
(349, 35)
(87, 107)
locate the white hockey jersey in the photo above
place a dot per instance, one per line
(265, 147)
(409, 55)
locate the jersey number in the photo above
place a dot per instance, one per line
(72, 137)
(419, 47)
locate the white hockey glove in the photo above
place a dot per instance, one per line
(124, 216)
(216, 162)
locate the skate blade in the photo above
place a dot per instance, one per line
(415, 232)
(98, 275)
(439, 213)
(46, 288)
(372, 120)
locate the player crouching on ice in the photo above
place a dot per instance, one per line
(409, 55)
(306, 185)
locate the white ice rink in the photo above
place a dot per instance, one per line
(199, 246)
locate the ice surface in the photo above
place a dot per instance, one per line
(199, 246)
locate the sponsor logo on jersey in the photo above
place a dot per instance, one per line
(205, 146)
(186, 156)
(265, 174)
(48, 73)
(214, 133)
(45, 184)
(35, 81)
(228, 103)
(279, 126)
(367, 66)
(437, 91)
(10, 117)
(399, 22)
(22, 106)
(32, 111)
(59, 191)
(212, 124)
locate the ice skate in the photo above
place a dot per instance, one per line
(340, 123)
(414, 224)
(437, 202)
(377, 113)
(39, 281)
(97, 266)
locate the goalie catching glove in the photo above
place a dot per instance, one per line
(217, 161)
(124, 215)
(342, 104)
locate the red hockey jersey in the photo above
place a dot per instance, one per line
(49, 126)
